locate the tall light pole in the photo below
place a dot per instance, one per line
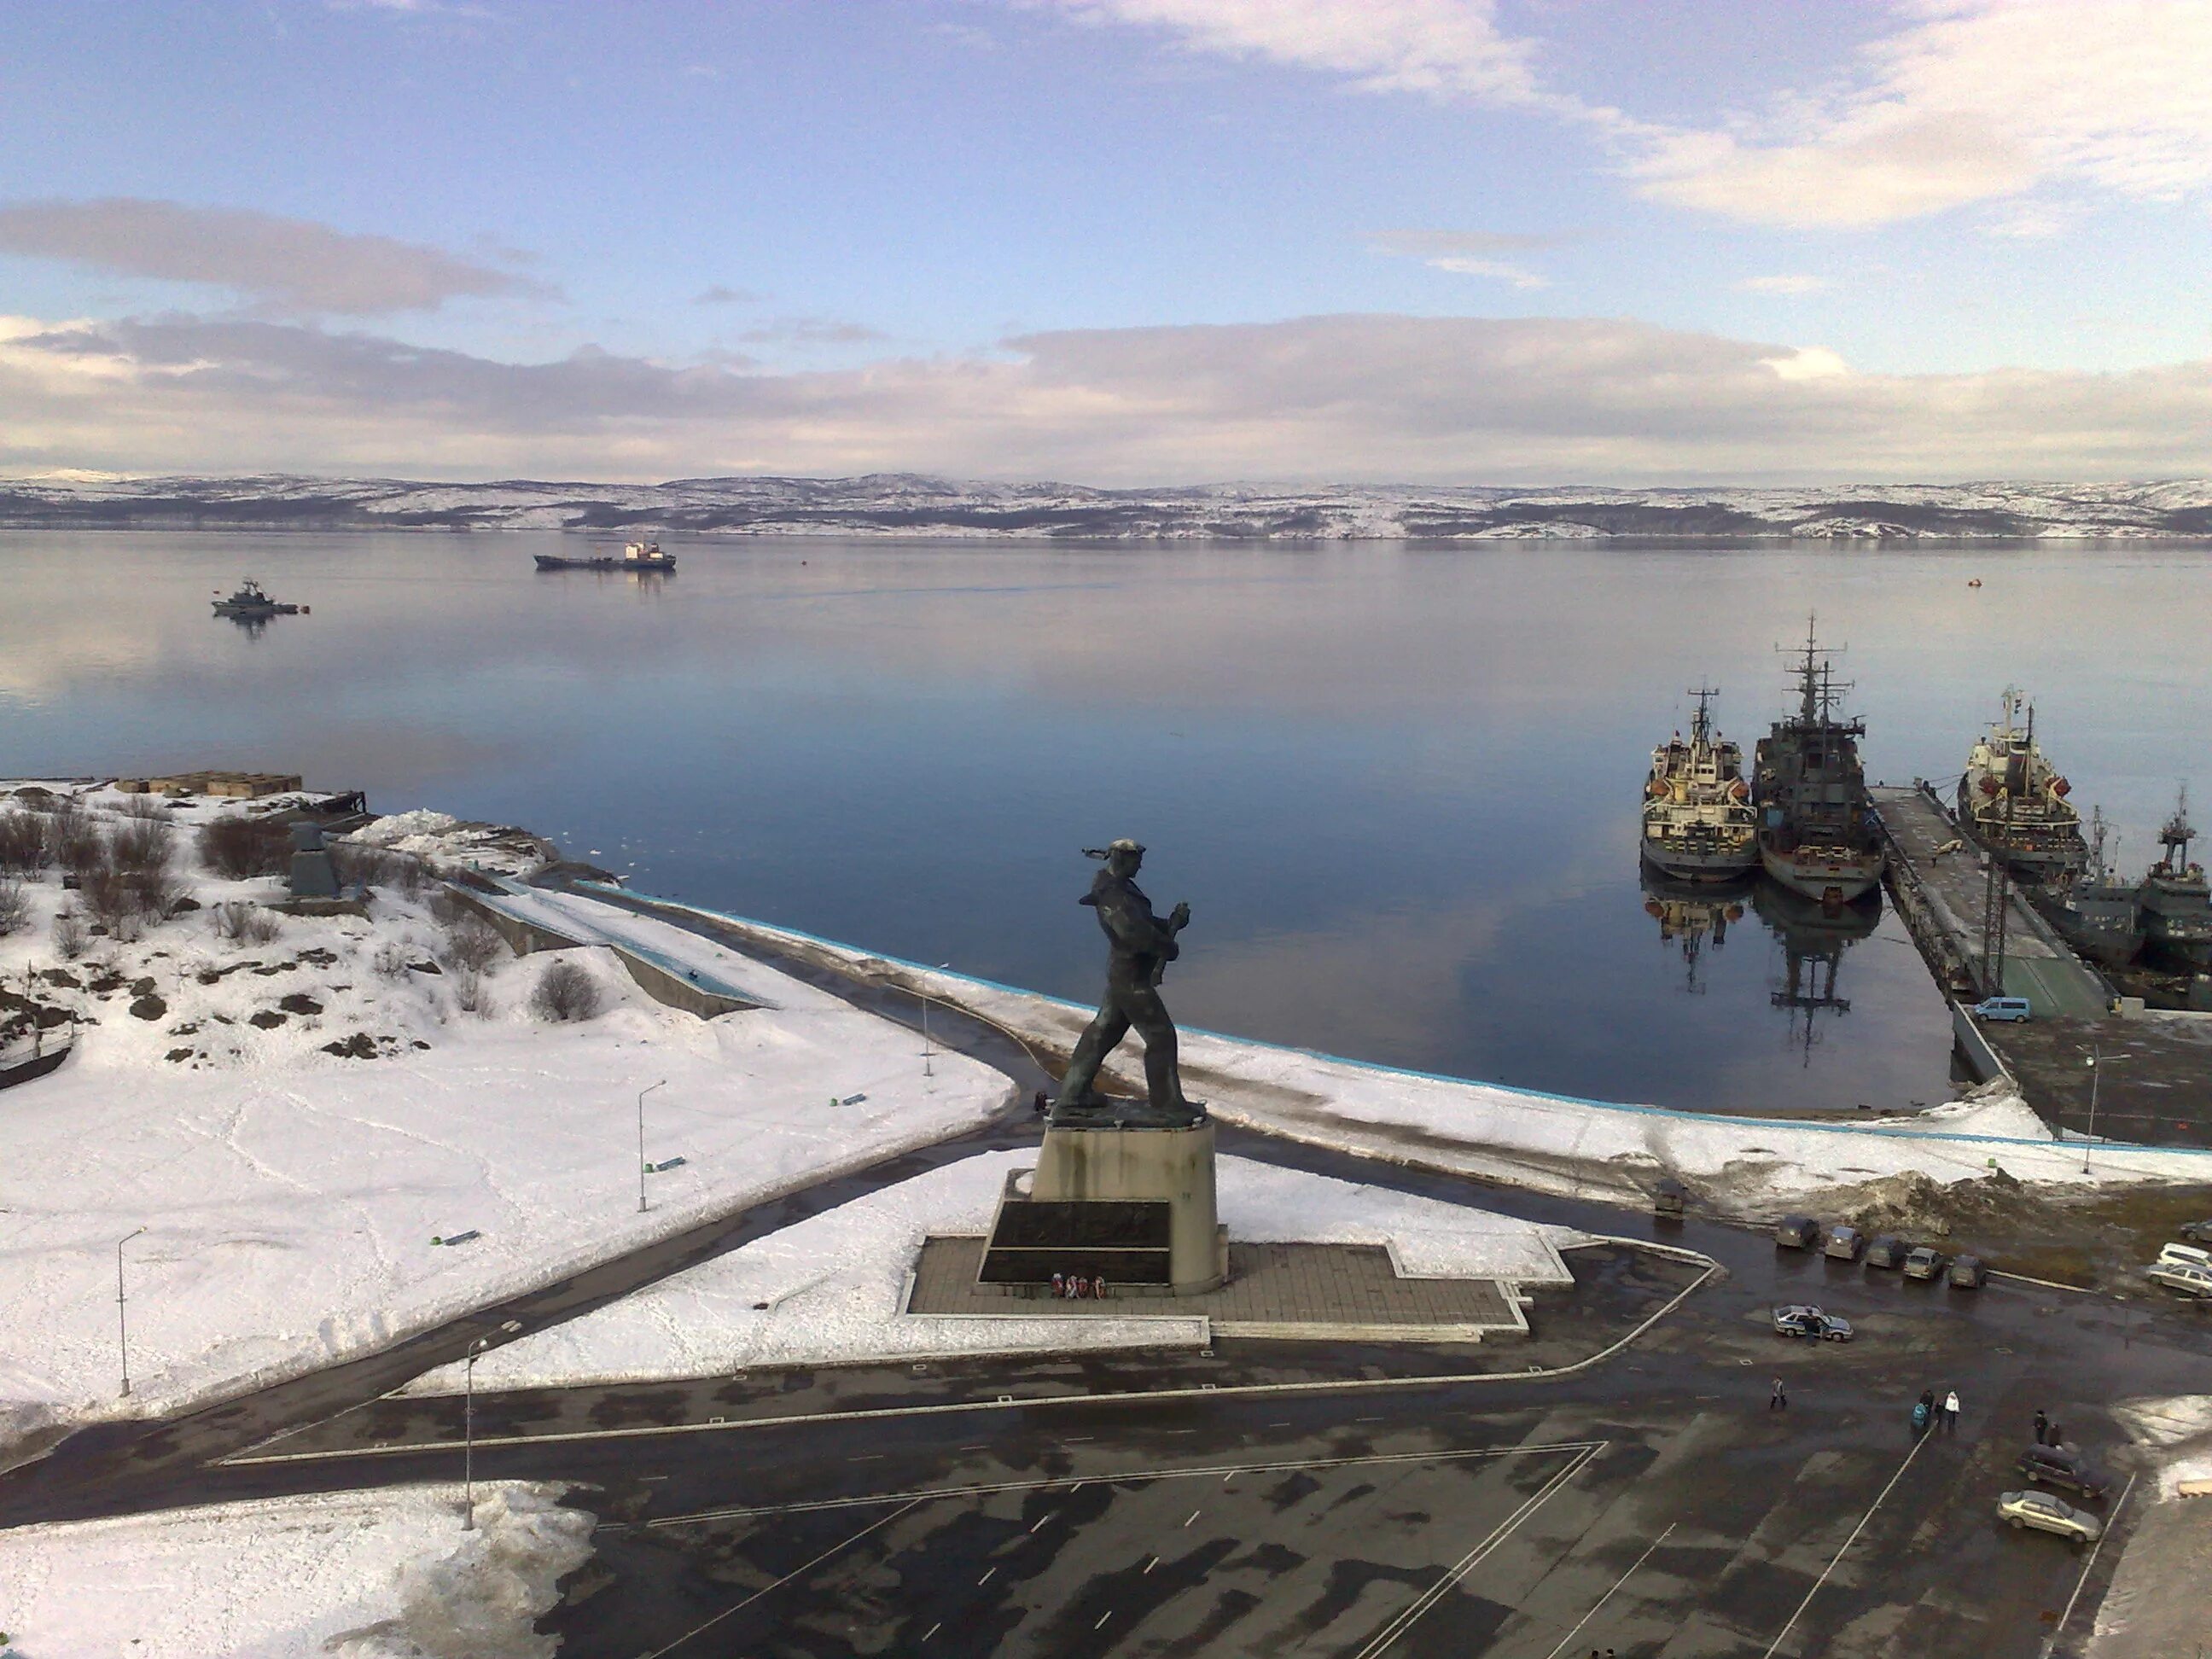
(2096, 1064)
(924, 995)
(641, 1094)
(469, 1435)
(122, 1330)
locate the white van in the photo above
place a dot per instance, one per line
(2184, 1256)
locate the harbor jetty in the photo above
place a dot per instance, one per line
(2088, 1054)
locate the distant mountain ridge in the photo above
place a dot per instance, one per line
(909, 504)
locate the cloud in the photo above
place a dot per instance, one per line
(719, 296)
(1975, 101)
(1450, 49)
(812, 331)
(1515, 401)
(1795, 283)
(1461, 251)
(291, 264)
(1504, 272)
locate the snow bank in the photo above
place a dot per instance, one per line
(1556, 1143)
(828, 1290)
(384, 1575)
(293, 1123)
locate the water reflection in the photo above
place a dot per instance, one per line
(1813, 939)
(1691, 913)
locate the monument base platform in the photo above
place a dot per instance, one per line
(1115, 1194)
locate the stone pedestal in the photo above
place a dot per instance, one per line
(1123, 1199)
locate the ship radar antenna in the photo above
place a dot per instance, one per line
(1701, 726)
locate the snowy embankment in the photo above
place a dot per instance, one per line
(1552, 1143)
(830, 1289)
(293, 1120)
(384, 1574)
(2156, 1606)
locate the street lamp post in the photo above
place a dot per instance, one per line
(122, 1327)
(2096, 1064)
(924, 995)
(641, 1094)
(469, 1435)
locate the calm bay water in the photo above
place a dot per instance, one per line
(1399, 785)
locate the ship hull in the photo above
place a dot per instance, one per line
(1825, 880)
(553, 561)
(1702, 867)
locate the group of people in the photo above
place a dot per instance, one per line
(2047, 1432)
(1926, 1411)
(1075, 1287)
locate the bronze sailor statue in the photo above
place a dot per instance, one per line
(1140, 946)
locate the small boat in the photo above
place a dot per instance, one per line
(250, 604)
(635, 555)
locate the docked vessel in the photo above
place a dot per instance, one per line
(1698, 824)
(2096, 913)
(250, 604)
(1817, 835)
(635, 555)
(2177, 905)
(2013, 803)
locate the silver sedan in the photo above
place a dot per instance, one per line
(2048, 1514)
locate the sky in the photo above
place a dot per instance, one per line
(1110, 241)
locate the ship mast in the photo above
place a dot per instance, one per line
(2176, 834)
(1701, 726)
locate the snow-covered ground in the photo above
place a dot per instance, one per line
(290, 1195)
(384, 1574)
(830, 1289)
(1755, 1166)
(2156, 1607)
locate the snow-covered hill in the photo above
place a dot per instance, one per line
(906, 504)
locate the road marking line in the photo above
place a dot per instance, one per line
(1336, 1385)
(1195, 1514)
(1422, 1604)
(867, 1457)
(932, 1630)
(1041, 1520)
(1102, 1618)
(880, 1521)
(1567, 1640)
(1775, 1646)
(1149, 1564)
(987, 1489)
(2112, 1516)
(986, 1578)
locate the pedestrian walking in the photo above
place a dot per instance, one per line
(2058, 1434)
(1776, 1401)
(1037, 1104)
(2042, 1428)
(1101, 1283)
(1060, 1284)
(1951, 1412)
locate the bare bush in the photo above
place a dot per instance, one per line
(390, 960)
(141, 844)
(78, 846)
(472, 943)
(26, 843)
(447, 908)
(144, 809)
(69, 936)
(565, 992)
(127, 902)
(239, 848)
(470, 994)
(249, 924)
(15, 909)
(361, 865)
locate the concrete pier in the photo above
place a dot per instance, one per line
(2153, 1081)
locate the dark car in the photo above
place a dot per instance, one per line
(1888, 1250)
(1797, 1320)
(1843, 1243)
(1968, 1273)
(1797, 1232)
(1925, 1261)
(1669, 1198)
(2198, 1232)
(2061, 1465)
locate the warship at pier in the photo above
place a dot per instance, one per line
(2094, 911)
(1698, 824)
(2176, 903)
(2012, 801)
(1817, 835)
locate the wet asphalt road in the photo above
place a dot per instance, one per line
(1652, 1504)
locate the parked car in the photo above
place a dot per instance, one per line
(2184, 1256)
(2040, 1511)
(2003, 1008)
(1886, 1250)
(1798, 1320)
(1669, 1198)
(1797, 1232)
(2178, 1276)
(2198, 1232)
(1968, 1273)
(2062, 1466)
(1843, 1243)
(1925, 1261)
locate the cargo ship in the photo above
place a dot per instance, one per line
(635, 555)
(1698, 824)
(1817, 833)
(2012, 801)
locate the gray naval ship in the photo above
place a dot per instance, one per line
(2177, 904)
(1817, 832)
(1698, 824)
(2095, 912)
